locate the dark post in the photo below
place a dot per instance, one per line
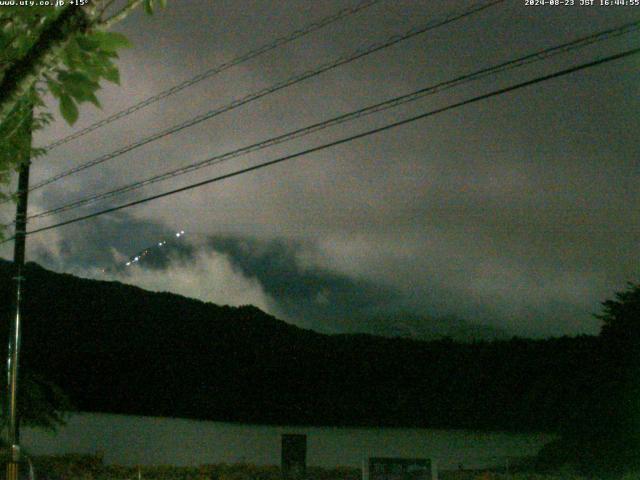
(294, 456)
(13, 354)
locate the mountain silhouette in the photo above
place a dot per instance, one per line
(118, 348)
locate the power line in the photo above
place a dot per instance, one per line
(394, 102)
(310, 28)
(452, 17)
(272, 89)
(343, 140)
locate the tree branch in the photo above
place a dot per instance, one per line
(106, 4)
(23, 74)
(121, 15)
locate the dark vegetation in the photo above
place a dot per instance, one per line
(88, 467)
(91, 467)
(117, 348)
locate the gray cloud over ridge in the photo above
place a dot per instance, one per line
(520, 211)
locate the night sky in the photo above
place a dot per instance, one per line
(520, 212)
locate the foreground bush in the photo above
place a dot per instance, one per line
(92, 467)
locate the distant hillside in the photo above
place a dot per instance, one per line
(117, 348)
(400, 324)
(416, 327)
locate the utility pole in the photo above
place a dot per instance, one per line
(13, 352)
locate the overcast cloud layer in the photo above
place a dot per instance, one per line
(521, 212)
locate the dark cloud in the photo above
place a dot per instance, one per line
(304, 292)
(101, 244)
(521, 211)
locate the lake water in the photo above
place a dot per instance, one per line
(129, 440)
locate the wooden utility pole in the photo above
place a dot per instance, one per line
(13, 352)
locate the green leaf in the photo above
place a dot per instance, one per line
(111, 41)
(37, 152)
(112, 74)
(68, 109)
(79, 78)
(93, 99)
(163, 3)
(74, 77)
(93, 71)
(78, 85)
(54, 87)
(72, 54)
(106, 55)
(88, 42)
(78, 93)
(148, 7)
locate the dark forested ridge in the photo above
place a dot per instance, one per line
(118, 348)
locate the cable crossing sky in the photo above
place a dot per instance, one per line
(369, 110)
(351, 138)
(360, 53)
(310, 28)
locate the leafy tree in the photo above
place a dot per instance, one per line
(621, 342)
(621, 316)
(42, 403)
(602, 434)
(66, 51)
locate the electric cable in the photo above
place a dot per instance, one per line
(310, 28)
(344, 140)
(362, 112)
(452, 17)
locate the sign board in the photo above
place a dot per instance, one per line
(387, 468)
(294, 456)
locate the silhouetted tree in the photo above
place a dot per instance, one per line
(602, 434)
(621, 317)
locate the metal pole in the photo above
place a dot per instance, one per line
(13, 354)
